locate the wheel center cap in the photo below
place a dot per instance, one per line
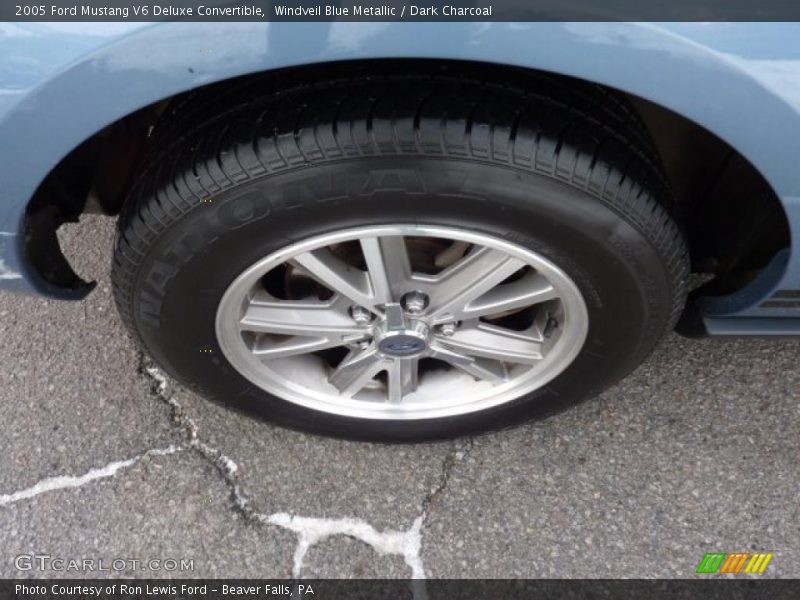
(408, 342)
(402, 345)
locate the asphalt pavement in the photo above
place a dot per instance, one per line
(103, 458)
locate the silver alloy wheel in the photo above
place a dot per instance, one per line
(401, 322)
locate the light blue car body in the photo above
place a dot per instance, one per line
(62, 82)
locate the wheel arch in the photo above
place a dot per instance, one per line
(124, 81)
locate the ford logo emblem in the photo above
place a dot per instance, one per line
(402, 345)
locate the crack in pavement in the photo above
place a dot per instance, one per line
(312, 530)
(460, 451)
(62, 482)
(159, 389)
(309, 530)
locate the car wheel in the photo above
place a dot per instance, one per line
(401, 258)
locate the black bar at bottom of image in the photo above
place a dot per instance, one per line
(397, 589)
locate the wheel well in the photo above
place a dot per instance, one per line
(734, 220)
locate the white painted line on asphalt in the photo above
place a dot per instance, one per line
(62, 482)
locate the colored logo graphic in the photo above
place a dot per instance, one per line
(735, 562)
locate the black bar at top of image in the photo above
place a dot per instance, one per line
(400, 10)
(711, 588)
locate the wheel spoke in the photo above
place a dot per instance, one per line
(498, 343)
(402, 378)
(298, 318)
(356, 370)
(387, 265)
(336, 275)
(270, 349)
(468, 279)
(493, 371)
(531, 289)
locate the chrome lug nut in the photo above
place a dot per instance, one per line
(360, 315)
(447, 329)
(414, 302)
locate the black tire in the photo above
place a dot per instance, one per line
(559, 168)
